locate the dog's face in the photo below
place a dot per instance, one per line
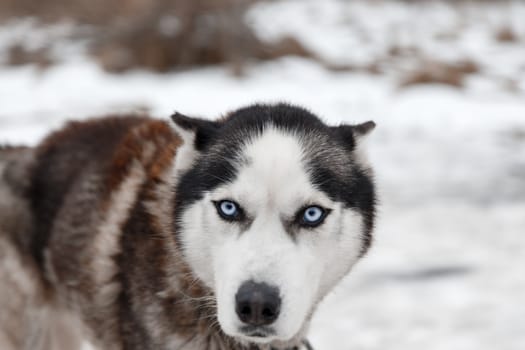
(273, 208)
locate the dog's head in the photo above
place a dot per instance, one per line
(273, 208)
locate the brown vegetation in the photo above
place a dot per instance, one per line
(437, 72)
(19, 55)
(506, 35)
(160, 35)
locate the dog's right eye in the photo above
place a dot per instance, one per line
(228, 210)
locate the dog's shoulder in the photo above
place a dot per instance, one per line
(85, 162)
(110, 144)
(151, 145)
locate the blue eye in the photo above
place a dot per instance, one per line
(228, 210)
(313, 216)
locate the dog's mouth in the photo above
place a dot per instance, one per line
(258, 333)
(266, 335)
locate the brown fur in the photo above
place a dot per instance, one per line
(97, 252)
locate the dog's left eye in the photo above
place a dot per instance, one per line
(228, 210)
(312, 216)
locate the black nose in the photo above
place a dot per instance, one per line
(257, 304)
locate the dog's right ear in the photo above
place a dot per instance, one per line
(198, 132)
(196, 135)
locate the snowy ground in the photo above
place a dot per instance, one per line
(448, 267)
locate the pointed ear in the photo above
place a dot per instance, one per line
(363, 129)
(196, 135)
(194, 130)
(352, 135)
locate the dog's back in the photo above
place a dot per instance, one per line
(55, 200)
(69, 164)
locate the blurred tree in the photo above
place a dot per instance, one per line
(161, 35)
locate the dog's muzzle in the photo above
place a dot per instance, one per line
(257, 305)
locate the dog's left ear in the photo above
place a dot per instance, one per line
(196, 135)
(354, 134)
(363, 129)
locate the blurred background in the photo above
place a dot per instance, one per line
(444, 80)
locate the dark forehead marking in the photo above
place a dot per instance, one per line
(290, 118)
(221, 158)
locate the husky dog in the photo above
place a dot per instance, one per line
(135, 233)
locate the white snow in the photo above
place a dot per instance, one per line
(447, 270)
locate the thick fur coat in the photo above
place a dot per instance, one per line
(89, 241)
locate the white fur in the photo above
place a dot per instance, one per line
(107, 240)
(273, 185)
(186, 153)
(360, 153)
